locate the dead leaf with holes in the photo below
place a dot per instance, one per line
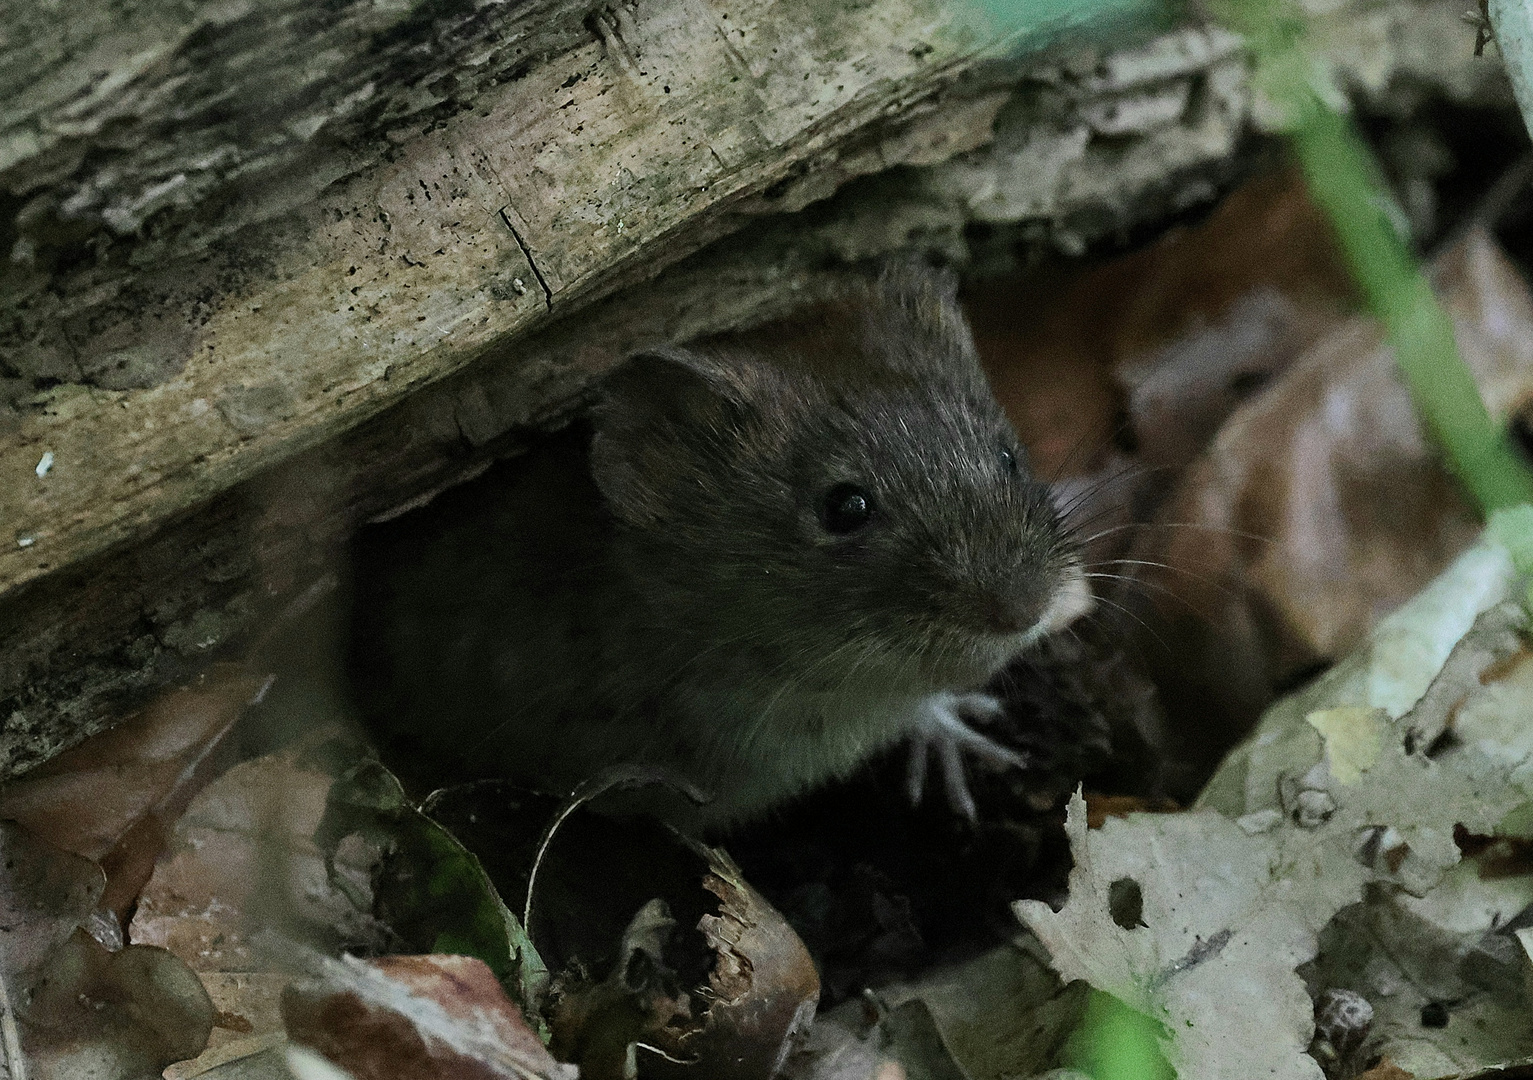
(1336, 796)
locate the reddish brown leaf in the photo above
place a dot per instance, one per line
(1321, 506)
(417, 1018)
(114, 798)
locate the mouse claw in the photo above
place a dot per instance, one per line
(943, 729)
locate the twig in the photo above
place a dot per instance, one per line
(615, 779)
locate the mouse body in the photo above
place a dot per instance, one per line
(771, 556)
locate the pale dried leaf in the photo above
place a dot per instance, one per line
(110, 1015)
(1003, 1014)
(240, 862)
(1215, 959)
(1230, 911)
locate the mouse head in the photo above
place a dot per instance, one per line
(844, 486)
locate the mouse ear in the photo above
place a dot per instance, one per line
(918, 284)
(671, 381)
(654, 414)
(918, 322)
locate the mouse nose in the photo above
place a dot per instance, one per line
(1013, 613)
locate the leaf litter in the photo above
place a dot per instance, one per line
(1283, 853)
(1348, 898)
(1336, 864)
(1319, 506)
(80, 838)
(289, 860)
(1324, 860)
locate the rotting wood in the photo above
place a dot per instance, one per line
(1082, 149)
(616, 157)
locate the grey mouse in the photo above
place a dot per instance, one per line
(772, 556)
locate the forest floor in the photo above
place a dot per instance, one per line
(1279, 798)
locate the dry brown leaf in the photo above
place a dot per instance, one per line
(70, 1004)
(110, 1015)
(240, 862)
(763, 986)
(750, 990)
(114, 798)
(1117, 376)
(1101, 807)
(1212, 313)
(417, 1018)
(1056, 387)
(247, 1018)
(1320, 506)
(1175, 334)
(45, 894)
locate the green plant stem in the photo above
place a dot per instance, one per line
(1343, 179)
(1337, 166)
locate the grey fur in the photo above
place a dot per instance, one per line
(672, 598)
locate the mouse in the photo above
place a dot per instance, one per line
(765, 558)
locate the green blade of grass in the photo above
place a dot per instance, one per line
(1338, 167)
(1343, 178)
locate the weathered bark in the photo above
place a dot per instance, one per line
(241, 378)
(602, 163)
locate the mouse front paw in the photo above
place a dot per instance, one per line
(943, 729)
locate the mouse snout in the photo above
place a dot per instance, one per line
(1045, 604)
(1015, 607)
(1070, 599)
(1007, 614)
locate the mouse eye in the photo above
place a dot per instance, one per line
(847, 509)
(1008, 461)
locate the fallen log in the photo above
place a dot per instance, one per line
(219, 357)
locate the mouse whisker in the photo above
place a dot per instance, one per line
(1191, 575)
(1124, 424)
(1139, 585)
(1148, 628)
(1121, 475)
(1075, 448)
(1221, 529)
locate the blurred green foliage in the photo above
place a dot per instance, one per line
(1116, 1043)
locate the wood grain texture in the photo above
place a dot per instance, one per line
(333, 351)
(626, 150)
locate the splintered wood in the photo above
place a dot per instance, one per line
(617, 157)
